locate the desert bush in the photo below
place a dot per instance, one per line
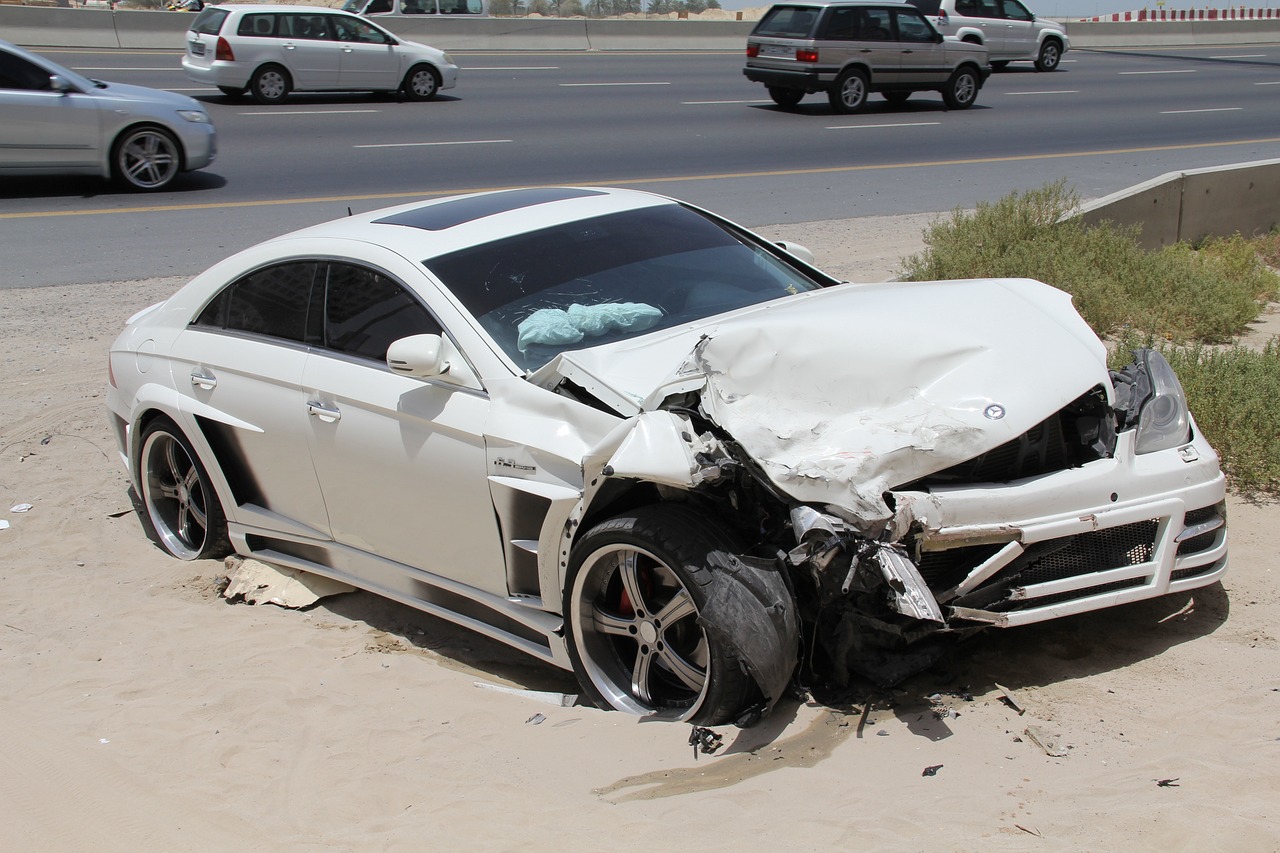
(1180, 293)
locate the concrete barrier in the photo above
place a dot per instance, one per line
(1189, 206)
(35, 26)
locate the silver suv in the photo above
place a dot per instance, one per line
(1010, 31)
(851, 48)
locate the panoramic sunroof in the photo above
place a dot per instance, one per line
(438, 217)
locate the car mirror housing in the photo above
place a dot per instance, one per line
(58, 83)
(796, 250)
(422, 356)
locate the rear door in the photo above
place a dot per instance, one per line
(860, 35)
(1020, 30)
(309, 50)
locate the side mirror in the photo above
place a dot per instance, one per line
(58, 83)
(422, 356)
(797, 250)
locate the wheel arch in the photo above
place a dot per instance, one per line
(155, 407)
(972, 35)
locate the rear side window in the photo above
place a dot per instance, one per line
(257, 25)
(209, 21)
(275, 301)
(928, 7)
(787, 22)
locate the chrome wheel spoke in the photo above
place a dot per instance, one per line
(691, 676)
(680, 606)
(609, 623)
(640, 674)
(628, 573)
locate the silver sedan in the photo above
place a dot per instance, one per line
(55, 121)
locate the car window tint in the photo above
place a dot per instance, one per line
(209, 21)
(913, 27)
(787, 22)
(874, 25)
(257, 25)
(377, 7)
(1015, 11)
(275, 301)
(17, 73)
(310, 27)
(610, 277)
(418, 7)
(839, 25)
(350, 29)
(365, 311)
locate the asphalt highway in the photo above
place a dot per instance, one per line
(687, 125)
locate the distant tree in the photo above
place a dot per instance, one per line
(661, 7)
(571, 8)
(541, 7)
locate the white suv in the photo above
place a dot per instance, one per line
(272, 50)
(1010, 31)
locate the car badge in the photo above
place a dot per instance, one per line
(994, 412)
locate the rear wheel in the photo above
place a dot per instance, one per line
(850, 92)
(181, 503)
(636, 585)
(146, 158)
(270, 84)
(1050, 56)
(962, 89)
(785, 98)
(421, 83)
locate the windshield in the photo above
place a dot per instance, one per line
(612, 277)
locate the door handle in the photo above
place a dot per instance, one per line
(203, 379)
(328, 414)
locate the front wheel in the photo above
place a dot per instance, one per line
(1050, 56)
(178, 495)
(785, 98)
(635, 588)
(421, 83)
(850, 92)
(961, 90)
(146, 159)
(270, 84)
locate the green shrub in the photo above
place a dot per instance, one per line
(1178, 293)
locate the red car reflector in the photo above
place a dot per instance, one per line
(806, 56)
(753, 50)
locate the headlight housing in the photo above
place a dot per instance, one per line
(196, 116)
(1164, 421)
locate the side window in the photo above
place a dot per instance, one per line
(1015, 11)
(366, 311)
(839, 25)
(377, 7)
(418, 7)
(968, 8)
(209, 21)
(786, 22)
(275, 301)
(913, 27)
(309, 27)
(874, 25)
(261, 26)
(17, 73)
(351, 29)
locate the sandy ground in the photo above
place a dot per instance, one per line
(141, 712)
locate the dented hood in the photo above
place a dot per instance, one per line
(843, 393)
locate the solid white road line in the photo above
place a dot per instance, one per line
(271, 112)
(877, 126)
(1048, 92)
(1214, 110)
(582, 85)
(430, 144)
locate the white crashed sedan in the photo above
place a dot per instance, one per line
(635, 440)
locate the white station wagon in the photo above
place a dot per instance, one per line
(270, 51)
(637, 441)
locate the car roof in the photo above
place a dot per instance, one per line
(900, 4)
(273, 7)
(427, 229)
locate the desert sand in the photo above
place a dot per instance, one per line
(139, 711)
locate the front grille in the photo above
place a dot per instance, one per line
(1045, 601)
(1097, 551)
(1204, 541)
(943, 570)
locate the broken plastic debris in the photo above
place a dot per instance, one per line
(259, 583)
(4, 525)
(704, 740)
(932, 770)
(1168, 783)
(1046, 743)
(1008, 698)
(21, 508)
(560, 700)
(536, 719)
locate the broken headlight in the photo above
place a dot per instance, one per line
(1164, 422)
